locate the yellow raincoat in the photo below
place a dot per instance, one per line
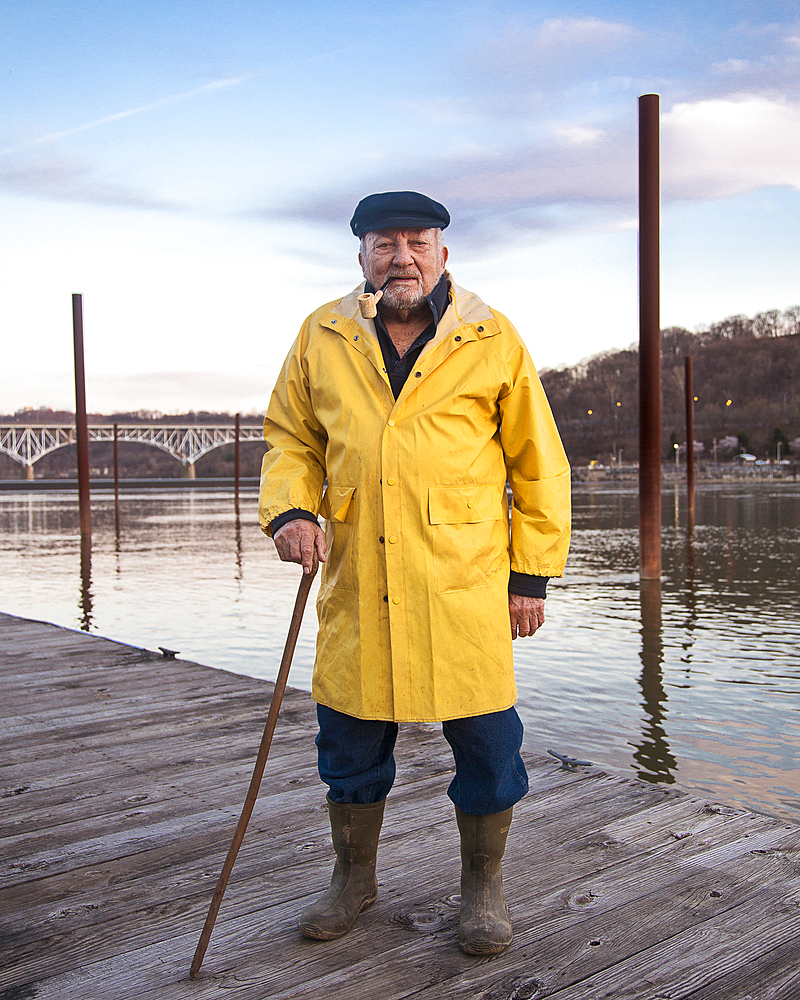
(413, 602)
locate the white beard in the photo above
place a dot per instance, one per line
(400, 297)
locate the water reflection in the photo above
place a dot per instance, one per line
(656, 761)
(85, 601)
(237, 535)
(690, 595)
(698, 685)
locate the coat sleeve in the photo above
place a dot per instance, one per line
(537, 468)
(293, 470)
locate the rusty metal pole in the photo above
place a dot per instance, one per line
(649, 341)
(81, 423)
(236, 454)
(689, 394)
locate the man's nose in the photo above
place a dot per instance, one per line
(402, 255)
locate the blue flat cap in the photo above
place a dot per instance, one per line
(396, 209)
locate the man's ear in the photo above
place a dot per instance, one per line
(445, 255)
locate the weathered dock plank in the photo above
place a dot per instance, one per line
(123, 775)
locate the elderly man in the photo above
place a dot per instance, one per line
(416, 414)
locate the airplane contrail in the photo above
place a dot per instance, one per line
(172, 99)
(230, 81)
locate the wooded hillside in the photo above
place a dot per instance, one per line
(746, 377)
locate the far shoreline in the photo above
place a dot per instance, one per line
(581, 475)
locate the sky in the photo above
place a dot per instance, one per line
(191, 168)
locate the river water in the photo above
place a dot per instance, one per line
(694, 682)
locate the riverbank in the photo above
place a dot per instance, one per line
(706, 473)
(709, 473)
(123, 776)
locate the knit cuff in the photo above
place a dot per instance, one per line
(527, 586)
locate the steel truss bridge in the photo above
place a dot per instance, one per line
(27, 443)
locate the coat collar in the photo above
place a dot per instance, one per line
(466, 319)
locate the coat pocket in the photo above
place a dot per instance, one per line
(470, 535)
(338, 507)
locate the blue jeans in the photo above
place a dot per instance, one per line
(356, 759)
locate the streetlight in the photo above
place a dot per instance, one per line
(677, 453)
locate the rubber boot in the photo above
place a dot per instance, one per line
(354, 831)
(485, 927)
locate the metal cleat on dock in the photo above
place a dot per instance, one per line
(569, 763)
(168, 654)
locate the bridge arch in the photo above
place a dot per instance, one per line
(27, 443)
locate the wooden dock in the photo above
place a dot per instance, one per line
(122, 777)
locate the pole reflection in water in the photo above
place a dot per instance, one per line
(85, 602)
(691, 596)
(116, 479)
(237, 528)
(656, 761)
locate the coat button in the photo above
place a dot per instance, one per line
(470, 503)
(395, 600)
(480, 329)
(390, 482)
(386, 599)
(391, 423)
(392, 539)
(458, 338)
(417, 374)
(381, 539)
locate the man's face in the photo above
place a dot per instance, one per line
(413, 258)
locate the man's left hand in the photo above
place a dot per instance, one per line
(526, 614)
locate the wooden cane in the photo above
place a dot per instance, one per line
(258, 770)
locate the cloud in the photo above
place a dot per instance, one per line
(533, 64)
(731, 66)
(579, 135)
(772, 74)
(554, 40)
(535, 187)
(63, 178)
(723, 147)
(581, 177)
(710, 149)
(556, 34)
